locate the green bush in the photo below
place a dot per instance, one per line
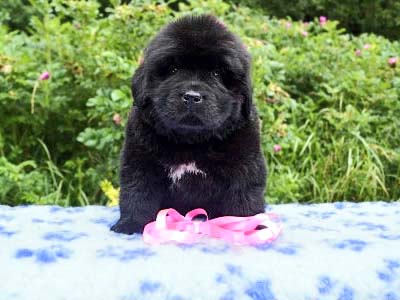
(333, 110)
(357, 16)
(16, 13)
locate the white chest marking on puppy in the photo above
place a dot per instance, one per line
(176, 172)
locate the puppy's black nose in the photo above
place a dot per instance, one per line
(192, 97)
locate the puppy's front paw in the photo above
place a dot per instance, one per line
(126, 227)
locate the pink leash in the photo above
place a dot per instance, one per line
(172, 226)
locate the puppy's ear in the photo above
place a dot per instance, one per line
(139, 86)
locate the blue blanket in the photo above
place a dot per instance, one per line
(336, 251)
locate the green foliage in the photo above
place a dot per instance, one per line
(334, 112)
(357, 16)
(16, 13)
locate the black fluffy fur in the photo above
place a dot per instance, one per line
(220, 134)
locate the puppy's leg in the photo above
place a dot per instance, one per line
(244, 194)
(244, 202)
(141, 193)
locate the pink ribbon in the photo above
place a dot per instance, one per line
(172, 226)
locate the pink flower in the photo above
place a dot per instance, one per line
(277, 148)
(288, 25)
(306, 24)
(304, 33)
(358, 52)
(44, 76)
(117, 119)
(392, 61)
(367, 46)
(322, 20)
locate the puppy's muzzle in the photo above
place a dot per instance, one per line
(191, 120)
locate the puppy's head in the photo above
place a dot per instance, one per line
(194, 81)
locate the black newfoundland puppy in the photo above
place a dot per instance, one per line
(192, 138)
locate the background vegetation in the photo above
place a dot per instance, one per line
(328, 100)
(357, 16)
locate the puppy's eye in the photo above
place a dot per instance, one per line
(216, 73)
(173, 70)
